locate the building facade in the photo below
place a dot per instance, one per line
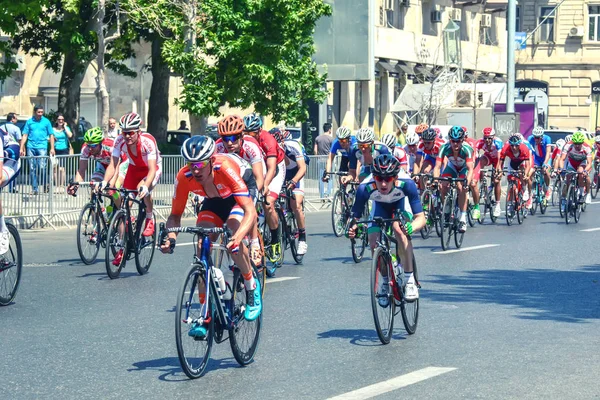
(560, 61)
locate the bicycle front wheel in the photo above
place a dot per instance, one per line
(486, 204)
(570, 203)
(292, 234)
(427, 202)
(193, 352)
(410, 309)
(556, 192)
(244, 335)
(88, 234)
(595, 185)
(382, 299)
(117, 248)
(447, 221)
(11, 265)
(510, 205)
(144, 250)
(338, 214)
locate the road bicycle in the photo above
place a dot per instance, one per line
(595, 180)
(360, 242)
(125, 239)
(430, 199)
(449, 217)
(220, 310)
(557, 191)
(515, 205)
(487, 196)
(539, 189)
(290, 226)
(341, 205)
(11, 266)
(383, 267)
(92, 225)
(574, 202)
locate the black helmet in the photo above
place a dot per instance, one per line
(385, 165)
(429, 134)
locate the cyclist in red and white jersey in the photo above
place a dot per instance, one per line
(145, 163)
(490, 147)
(427, 152)
(275, 160)
(389, 139)
(577, 156)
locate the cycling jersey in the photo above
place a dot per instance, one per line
(433, 151)
(293, 152)
(105, 153)
(249, 150)
(596, 151)
(523, 154)
(539, 149)
(492, 151)
(146, 149)
(576, 157)
(411, 156)
(355, 154)
(336, 146)
(10, 168)
(470, 141)
(270, 146)
(401, 156)
(555, 153)
(456, 166)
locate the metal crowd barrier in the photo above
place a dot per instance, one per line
(51, 207)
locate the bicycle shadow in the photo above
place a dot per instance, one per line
(78, 262)
(103, 277)
(358, 337)
(344, 260)
(171, 371)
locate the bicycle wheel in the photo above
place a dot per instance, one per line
(556, 193)
(117, 245)
(458, 236)
(88, 234)
(338, 214)
(427, 202)
(144, 249)
(292, 235)
(578, 207)
(486, 204)
(437, 215)
(570, 203)
(520, 207)
(470, 208)
(359, 245)
(535, 198)
(193, 353)
(595, 185)
(383, 315)
(410, 309)
(447, 221)
(11, 265)
(509, 206)
(261, 271)
(543, 200)
(271, 262)
(244, 335)
(491, 199)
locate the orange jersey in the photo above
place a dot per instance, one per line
(226, 178)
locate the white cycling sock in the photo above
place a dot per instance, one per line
(149, 214)
(3, 227)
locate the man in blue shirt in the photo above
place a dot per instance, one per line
(36, 134)
(541, 147)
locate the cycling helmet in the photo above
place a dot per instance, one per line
(568, 138)
(389, 139)
(428, 134)
(456, 133)
(230, 125)
(420, 128)
(538, 131)
(438, 132)
(385, 165)
(578, 138)
(198, 148)
(93, 135)
(343, 132)
(515, 139)
(489, 131)
(596, 139)
(365, 135)
(252, 122)
(277, 134)
(560, 143)
(464, 128)
(130, 122)
(412, 139)
(287, 135)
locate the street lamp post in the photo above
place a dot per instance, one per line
(510, 59)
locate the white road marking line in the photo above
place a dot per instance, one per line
(395, 383)
(483, 246)
(595, 202)
(40, 265)
(590, 230)
(184, 244)
(283, 278)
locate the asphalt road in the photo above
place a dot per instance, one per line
(516, 320)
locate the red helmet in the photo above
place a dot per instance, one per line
(464, 128)
(488, 132)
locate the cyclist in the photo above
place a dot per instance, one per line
(274, 179)
(294, 178)
(389, 194)
(542, 151)
(219, 178)
(578, 155)
(145, 165)
(9, 167)
(469, 140)
(389, 139)
(520, 159)
(596, 151)
(458, 157)
(412, 142)
(491, 146)
(427, 152)
(364, 151)
(560, 143)
(233, 141)
(342, 144)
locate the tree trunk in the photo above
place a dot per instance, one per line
(158, 107)
(69, 91)
(102, 91)
(197, 122)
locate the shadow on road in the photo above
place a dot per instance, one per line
(540, 294)
(102, 275)
(171, 369)
(358, 337)
(344, 260)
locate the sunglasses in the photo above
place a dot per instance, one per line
(384, 178)
(199, 164)
(428, 141)
(456, 141)
(92, 146)
(344, 141)
(231, 138)
(129, 133)
(364, 146)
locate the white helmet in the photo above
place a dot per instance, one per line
(412, 139)
(568, 138)
(343, 132)
(538, 131)
(130, 122)
(560, 143)
(596, 139)
(365, 135)
(198, 148)
(389, 139)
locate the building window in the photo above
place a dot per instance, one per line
(518, 20)
(547, 28)
(594, 27)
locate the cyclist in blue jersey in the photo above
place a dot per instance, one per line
(342, 144)
(542, 150)
(364, 151)
(389, 194)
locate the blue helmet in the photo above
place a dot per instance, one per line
(515, 139)
(252, 122)
(456, 133)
